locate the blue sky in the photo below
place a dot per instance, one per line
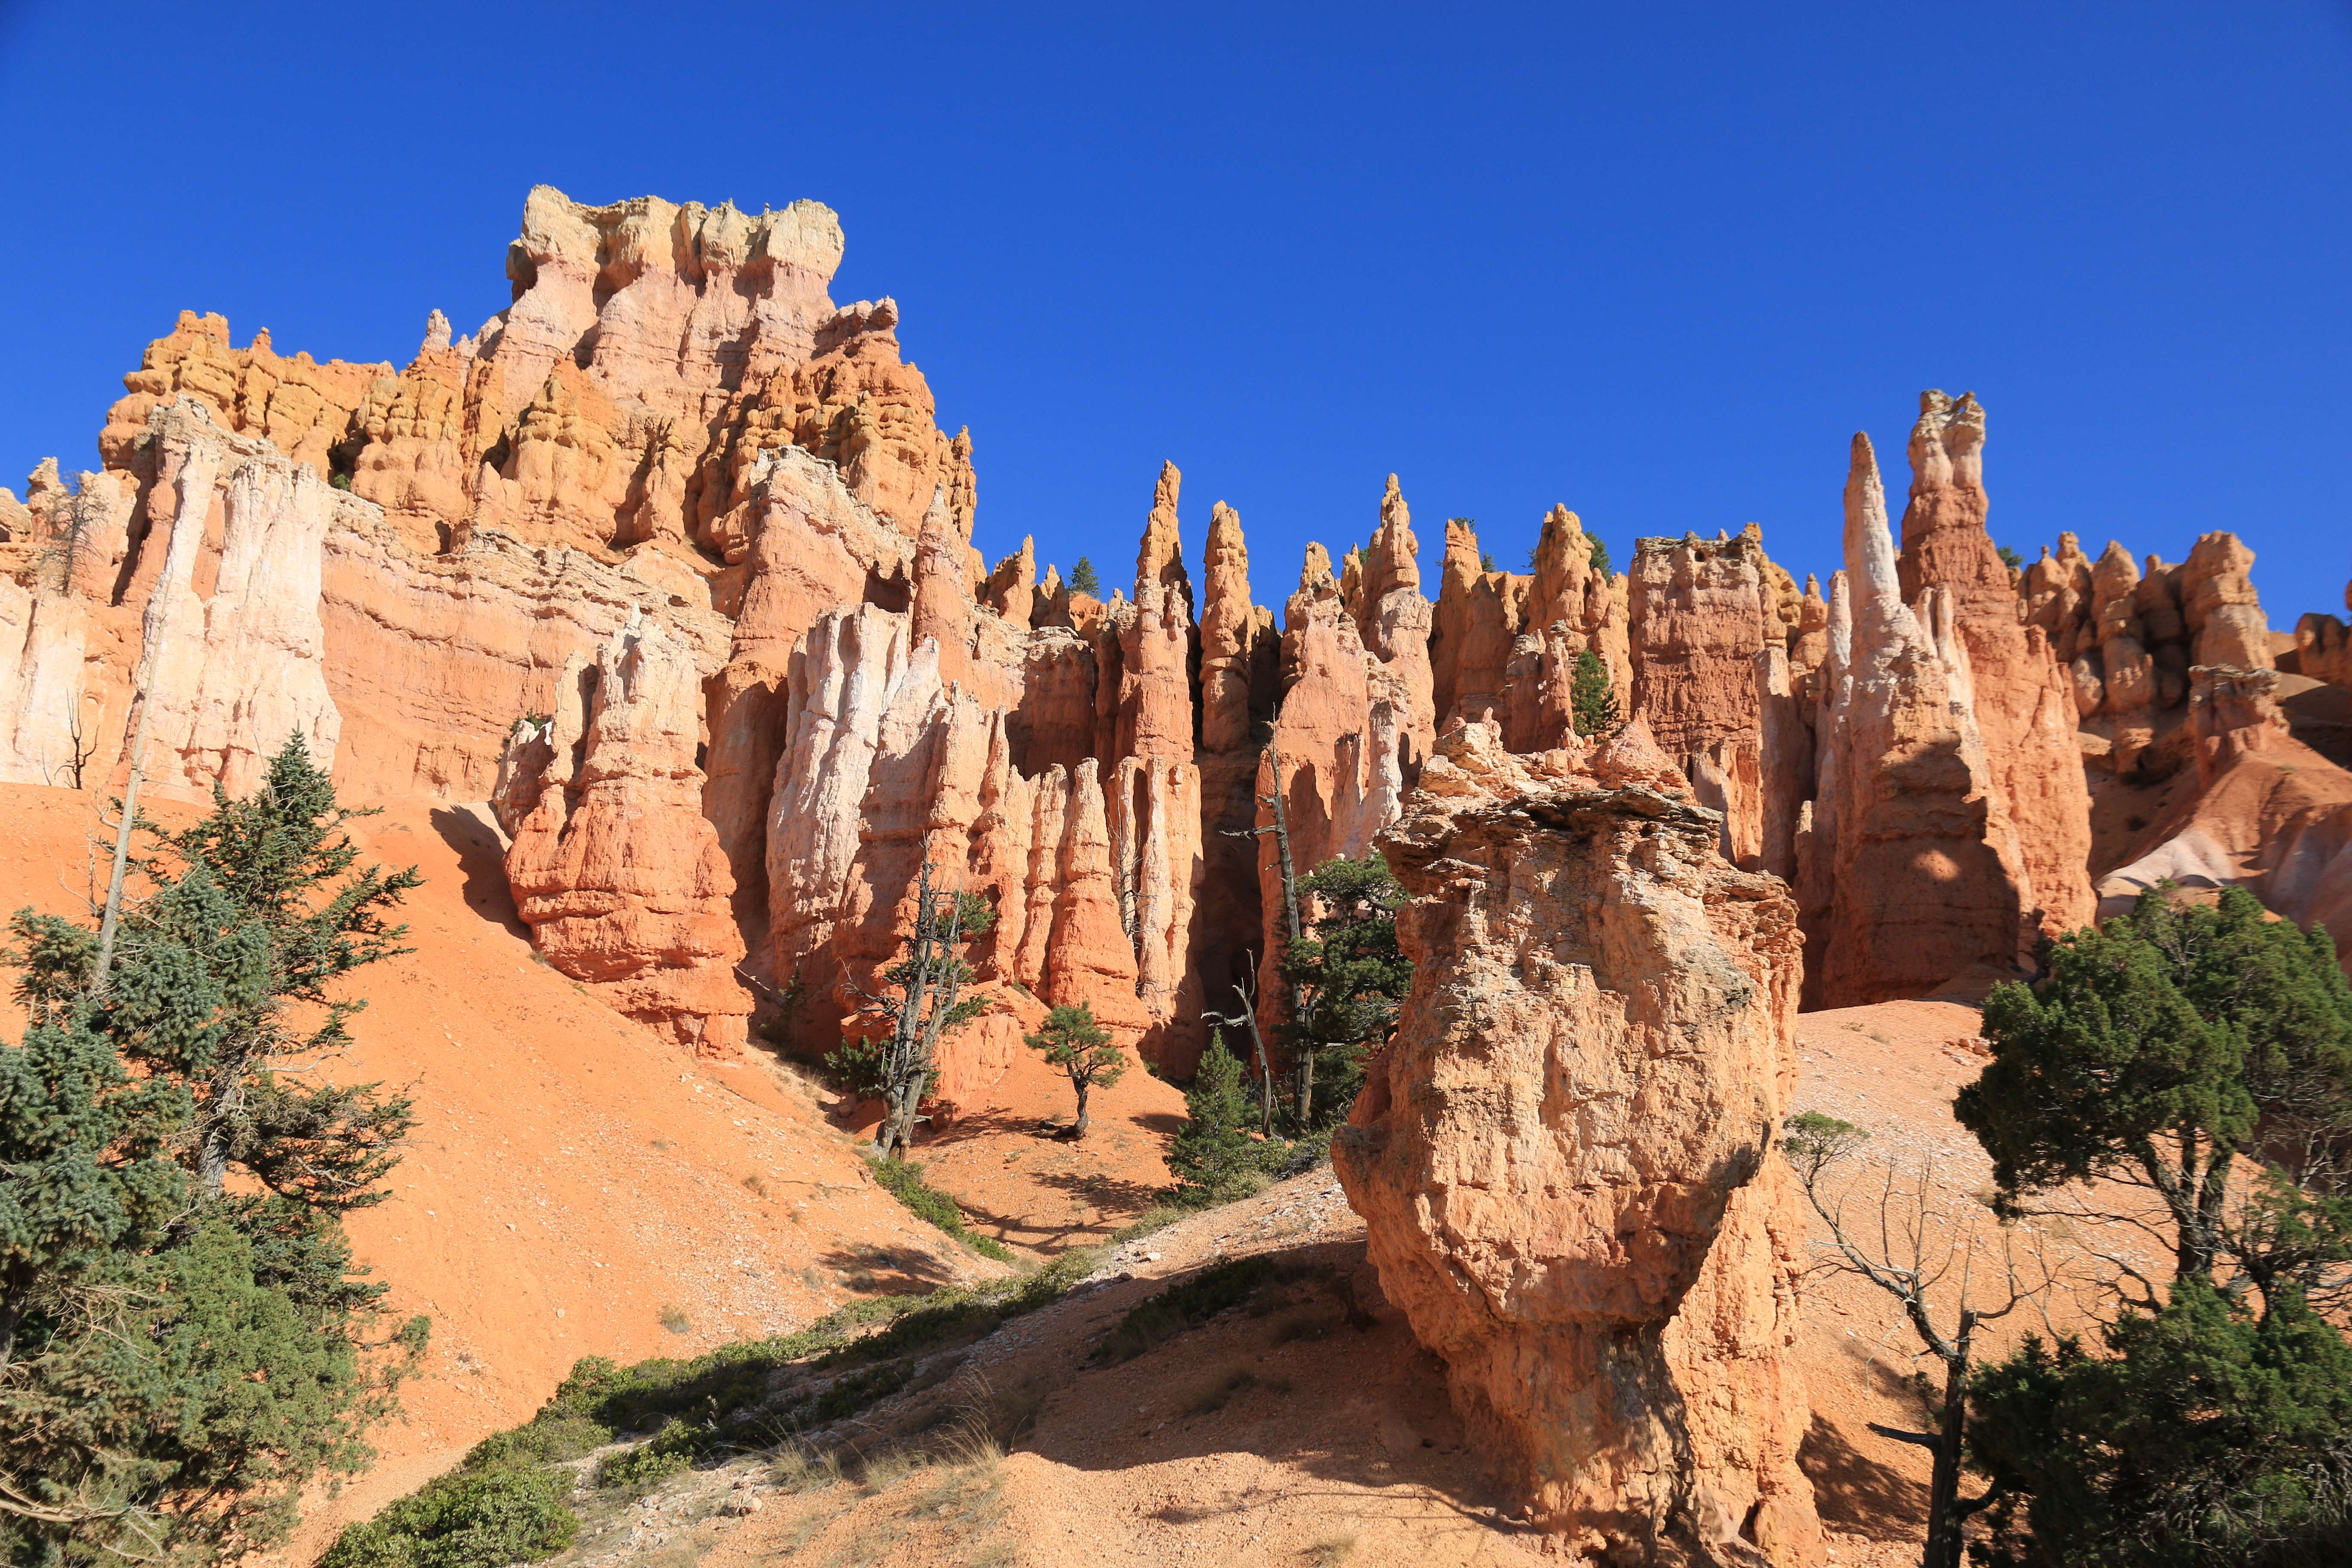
(1657, 261)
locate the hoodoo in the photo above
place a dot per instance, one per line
(1566, 1159)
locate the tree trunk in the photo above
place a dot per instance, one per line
(1080, 1130)
(1944, 1516)
(155, 630)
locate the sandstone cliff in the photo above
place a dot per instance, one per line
(1566, 1159)
(613, 865)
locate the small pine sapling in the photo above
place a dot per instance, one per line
(1592, 700)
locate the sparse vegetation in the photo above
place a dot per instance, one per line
(903, 1179)
(1083, 579)
(1186, 1305)
(673, 1318)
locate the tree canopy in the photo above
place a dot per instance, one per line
(179, 1356)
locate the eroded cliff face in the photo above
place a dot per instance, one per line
(673, 435)
(1565, 1158)
(613, 865)
(2023, 705)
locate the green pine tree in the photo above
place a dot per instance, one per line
(2169, 1049)
(1083, 579)
(181, 1353)
(1600, 557)
(1074, 1043)
(2153, 1050)
(1592, 700)
(1213, 1158)
(1347, 976)
(2208, 1433)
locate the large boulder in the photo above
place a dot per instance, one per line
(1565, 1158)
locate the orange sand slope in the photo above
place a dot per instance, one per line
(570, 1180)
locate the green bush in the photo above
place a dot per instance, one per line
(666, 1454)
(467, 1518)
(904, 1181)
(549, 1439)
(1186, 1305)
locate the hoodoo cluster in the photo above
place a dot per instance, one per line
(670, 563)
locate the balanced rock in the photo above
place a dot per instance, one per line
(1565, 1158)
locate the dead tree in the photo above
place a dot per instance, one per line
(1247, 1018)
(1926, 1277)
(925, 1007)
(1280, 829)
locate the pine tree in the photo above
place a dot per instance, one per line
(1347, 976)
(923, 1005)
(1592, 700)
(2167, 1050)
(1600, 557)
(180, 1354)
(1083, 579)
(1073, 1042)
(1213, 1157)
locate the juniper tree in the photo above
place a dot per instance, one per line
(1074, 1044)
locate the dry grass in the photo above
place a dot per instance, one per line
(1329, 1553)
(674, 1318)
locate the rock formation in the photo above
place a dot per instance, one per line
(613, 865)
(1908, 872)
(2268, 815)
(674, 441)
(2323, 647)
(1702, 611)
(2024, 711)
(1566, 1159)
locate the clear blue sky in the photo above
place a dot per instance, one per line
(1656, 261)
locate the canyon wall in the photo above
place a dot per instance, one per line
(673, 442)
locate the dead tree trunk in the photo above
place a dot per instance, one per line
(931, 975)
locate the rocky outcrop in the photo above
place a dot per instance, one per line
(2128, 634)
(2268, 815)
(1702, 612)
(2023, 701)
(2323, 647)
(1394, 619)
(1566, 1159)
(1478, 617)
(1908, 871)
(614, 869)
